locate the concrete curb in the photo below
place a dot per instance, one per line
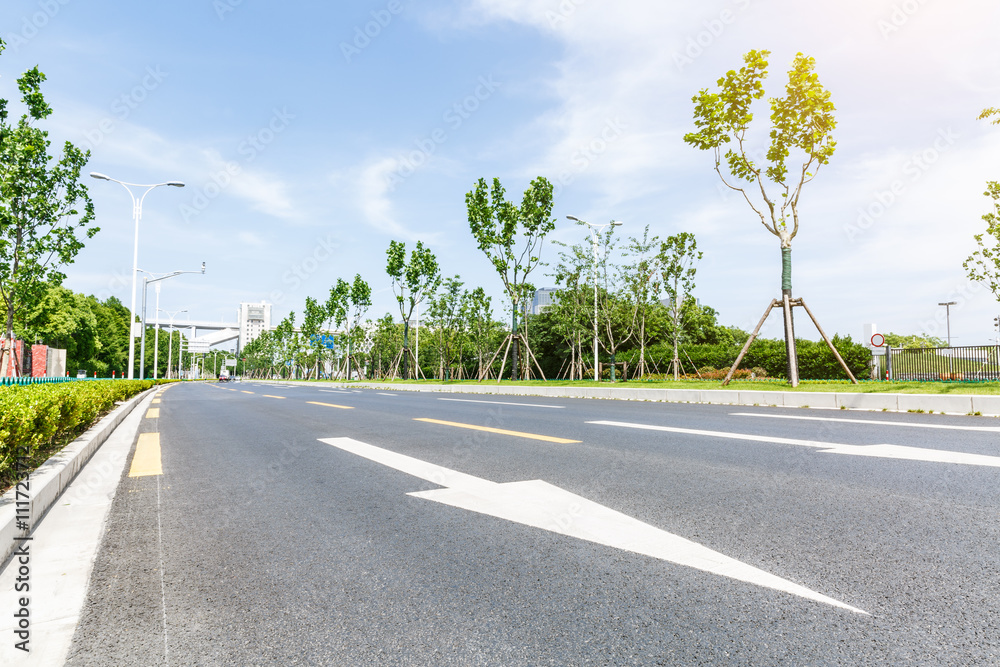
(954, 404)
(49, 480)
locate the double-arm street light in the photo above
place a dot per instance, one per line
(156, 344)
(593, 237)
(136, 215)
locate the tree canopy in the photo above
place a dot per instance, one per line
(42, 204)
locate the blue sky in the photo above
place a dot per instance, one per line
(311, 134)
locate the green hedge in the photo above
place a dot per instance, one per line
(816, 362)
(35, 418)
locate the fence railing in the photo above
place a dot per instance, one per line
(972, 363)
(39, 380)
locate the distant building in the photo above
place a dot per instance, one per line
(255, 319)
(542, 299)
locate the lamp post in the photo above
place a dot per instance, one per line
(947, 311)
(170, 349)
(136, 215)
(593, 237)
(145, 284)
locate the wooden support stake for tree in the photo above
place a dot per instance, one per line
(537, 365)
(485, 370)
(503, 363)
(746, 346)
(828, 341)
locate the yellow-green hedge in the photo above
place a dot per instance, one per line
(32, 417)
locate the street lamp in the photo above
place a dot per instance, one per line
(947, 310)
(136, 215)
(142, 347)
(170, 348)
(593, 237)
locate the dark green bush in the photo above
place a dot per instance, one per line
(816, 362)
(35, 418)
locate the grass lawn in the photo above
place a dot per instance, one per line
(841, 386)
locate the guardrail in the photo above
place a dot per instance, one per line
(968, 364)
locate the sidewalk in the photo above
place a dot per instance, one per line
(63, 546)
(950, 404)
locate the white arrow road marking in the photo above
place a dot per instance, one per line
(880, 451)
(542, 505)
(985, 429)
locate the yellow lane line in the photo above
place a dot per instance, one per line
(155, 401)
(533, 436)
(153, 413)
(269, 396)
(331, 405)
(146, 460)
(247, 392)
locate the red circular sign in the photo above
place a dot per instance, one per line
(881, 340)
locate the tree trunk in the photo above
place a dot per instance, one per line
(786, 296)
(517, 342)
(406, 348)
(642, 346)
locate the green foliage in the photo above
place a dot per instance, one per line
(913, 341)
(802, 120)
(34, 418)
(42, 204)
(983, 265)
(511, 236)
(676, 259)
(413, 279)
(816, 362)
(989, 113)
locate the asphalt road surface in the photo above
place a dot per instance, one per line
(299, 525)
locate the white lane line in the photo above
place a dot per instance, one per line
(879, 451)
(333, 391)
(985, 429)
(384, 394)
(523, 405)
(541, 505)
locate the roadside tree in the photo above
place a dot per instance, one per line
(412, 281)
(43, 206)
(801, 121)
(677, 258)
(512, 237)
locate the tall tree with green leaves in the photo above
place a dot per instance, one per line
(337, 307)
(445, 313)
(482, 327)
(571, 303)
(802, 123)
(511, 237)
(412, 281)
(314, 315)
(676, 259)
(643, 286)
(359, 300)
(42, 205)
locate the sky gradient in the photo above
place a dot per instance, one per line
(311, 134)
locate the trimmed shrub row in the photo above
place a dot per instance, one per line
(816, 362)
(35, 418)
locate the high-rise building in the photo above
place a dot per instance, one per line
(255, 319)
(542, 299)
